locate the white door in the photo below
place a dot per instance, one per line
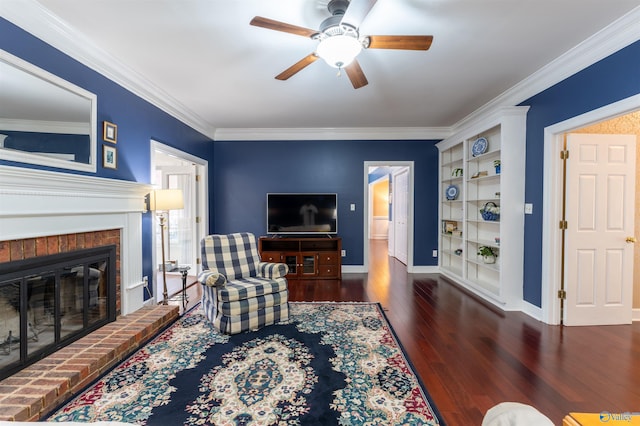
(182, 240)
(600, 215)
(400, 214)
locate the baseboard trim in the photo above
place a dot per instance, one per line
(353, 269)
(425, 270)
(635, 314)
(532, 310)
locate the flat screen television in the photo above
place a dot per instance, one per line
(302, 213)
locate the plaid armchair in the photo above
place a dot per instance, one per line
(239, 292)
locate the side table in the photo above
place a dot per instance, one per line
(184, 271)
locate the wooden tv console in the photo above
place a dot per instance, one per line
(307, 257)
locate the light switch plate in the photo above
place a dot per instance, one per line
(528, 208)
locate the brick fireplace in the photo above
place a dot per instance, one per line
(44, 212)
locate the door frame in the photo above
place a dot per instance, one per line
(367, 213)
(552, 198)
(202, 197)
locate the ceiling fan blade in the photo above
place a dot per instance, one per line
(271, 24)
(356, 75)
(421, 42)
(357, 11)
(298, 66)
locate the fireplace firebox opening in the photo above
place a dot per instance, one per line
(48, 302)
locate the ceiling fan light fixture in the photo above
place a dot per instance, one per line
(340, 50)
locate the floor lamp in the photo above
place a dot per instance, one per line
(161, 201)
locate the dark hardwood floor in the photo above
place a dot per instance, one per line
(471, 356)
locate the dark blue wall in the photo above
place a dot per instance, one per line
(612, 79)
(138, 121)
(243, 172)
(246, 171)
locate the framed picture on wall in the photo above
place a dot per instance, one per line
(109, 132)
(109, 157)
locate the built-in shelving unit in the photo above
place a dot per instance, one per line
(470, 182)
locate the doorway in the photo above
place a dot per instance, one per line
(391, 223)
(625, 111)
(174, 169)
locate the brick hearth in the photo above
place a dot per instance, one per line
(34, 392)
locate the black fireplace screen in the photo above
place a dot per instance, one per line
(48, 302)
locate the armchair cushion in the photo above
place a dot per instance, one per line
(246, 288)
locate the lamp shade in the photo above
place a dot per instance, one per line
(166, 199)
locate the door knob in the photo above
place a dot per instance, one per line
(631, 239)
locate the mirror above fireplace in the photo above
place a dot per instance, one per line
(45, 119)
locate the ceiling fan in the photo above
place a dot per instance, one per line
(339, 41)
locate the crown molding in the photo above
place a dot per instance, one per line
(338, 133)
(619, 34)
(34, 18)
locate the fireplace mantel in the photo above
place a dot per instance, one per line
(36, 203)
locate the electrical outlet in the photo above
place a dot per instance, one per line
(435, 253)
(146, 289)
(343, 253)
(353, 207)
(528, 208)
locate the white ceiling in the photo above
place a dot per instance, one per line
(203, 60)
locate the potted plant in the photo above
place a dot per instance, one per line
(496, 164)
(488, 254)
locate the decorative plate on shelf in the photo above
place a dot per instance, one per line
(479, 147)
(452, 192)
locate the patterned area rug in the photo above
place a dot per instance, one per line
(333, 363)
